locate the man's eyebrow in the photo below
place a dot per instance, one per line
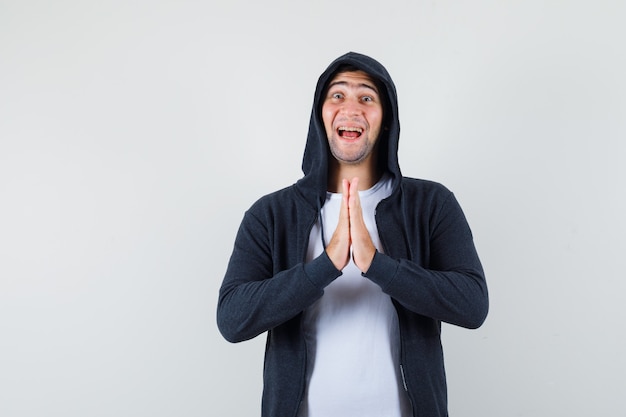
(346, 83)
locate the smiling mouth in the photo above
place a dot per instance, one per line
(349, 132)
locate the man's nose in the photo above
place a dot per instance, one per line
(351, 108)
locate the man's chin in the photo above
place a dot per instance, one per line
(350, 159)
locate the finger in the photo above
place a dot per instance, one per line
(354, 192)
(355, 201)
(345, 197)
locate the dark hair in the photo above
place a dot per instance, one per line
(380, 86)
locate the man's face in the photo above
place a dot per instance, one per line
(352, 113)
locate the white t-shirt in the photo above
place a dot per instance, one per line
(352, 333)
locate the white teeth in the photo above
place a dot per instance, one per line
(351, 129)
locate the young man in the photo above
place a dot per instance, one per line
(352, 269)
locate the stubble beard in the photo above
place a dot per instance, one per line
(350, 156)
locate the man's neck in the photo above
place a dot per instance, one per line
(367, 174)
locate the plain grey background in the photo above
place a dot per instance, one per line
(134, 134)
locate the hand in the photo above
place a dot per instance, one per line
(351, 232)
(338, 249)
(363, 249)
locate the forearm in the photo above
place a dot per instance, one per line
(252, 302)
(457, 296)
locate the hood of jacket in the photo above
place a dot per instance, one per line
(313, 186)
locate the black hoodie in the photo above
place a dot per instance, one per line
(429, 266)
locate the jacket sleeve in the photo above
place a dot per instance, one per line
(254, 297)
(451, 287)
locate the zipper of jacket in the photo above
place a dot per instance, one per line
(402, 374)
(306, 348)
(405, 383)
(406, 389)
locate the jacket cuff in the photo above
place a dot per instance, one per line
(321, 271)
(382, 270)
